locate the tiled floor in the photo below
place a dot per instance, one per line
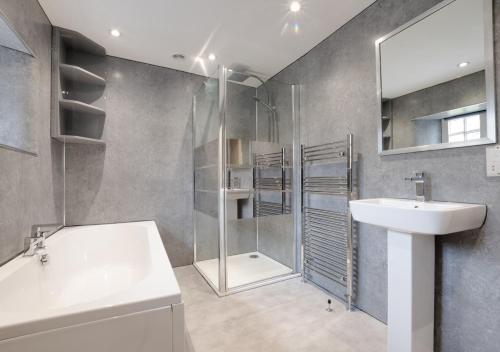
(288, 316)
(242, 269)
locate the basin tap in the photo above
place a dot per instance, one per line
(420, 186)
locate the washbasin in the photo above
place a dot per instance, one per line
(410, 216)
(238, 193)
(411, 226)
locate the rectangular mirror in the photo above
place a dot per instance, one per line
(435, 80)
(18, 72)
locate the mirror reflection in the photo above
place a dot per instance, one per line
(435, 79)
(18, 70)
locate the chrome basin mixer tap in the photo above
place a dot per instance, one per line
(421, 192)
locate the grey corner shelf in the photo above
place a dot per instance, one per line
(79, 140)
(78, 81)
(80, 107)
(387, 125)
(75, 41)
(80, 75)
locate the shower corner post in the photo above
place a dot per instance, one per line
(283, 181)
(297, 179)
(301, 214)
(193, 145)
(222, 180)
(349, 242)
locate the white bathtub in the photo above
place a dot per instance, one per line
(105, 288)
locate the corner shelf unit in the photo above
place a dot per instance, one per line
(78, 81)
(78, 74)
(387, 125)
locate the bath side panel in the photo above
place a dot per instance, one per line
(148, 331)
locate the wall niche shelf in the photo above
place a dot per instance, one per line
(78, 81)
(387, 128)
(78, 106)
(78, 74)
(78, 139)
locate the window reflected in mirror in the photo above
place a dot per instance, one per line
(435, 80)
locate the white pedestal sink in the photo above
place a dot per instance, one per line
(412, 227)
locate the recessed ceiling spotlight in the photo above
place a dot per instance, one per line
(179, 56)
(211, 57)
(295, 6)
(463, 64)
(115, 33)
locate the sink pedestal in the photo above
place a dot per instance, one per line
(410, 292)
(412, 229)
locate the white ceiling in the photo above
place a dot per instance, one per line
(261, 34)
(428, 53)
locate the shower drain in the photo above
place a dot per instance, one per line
(254, 256)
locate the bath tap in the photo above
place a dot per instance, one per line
(35, 244)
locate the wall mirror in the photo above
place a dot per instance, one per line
(18, 92)
(435, 80)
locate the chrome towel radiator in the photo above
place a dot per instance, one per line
(327, 228)
(270, 176)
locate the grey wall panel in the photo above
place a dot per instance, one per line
(207, 235)
(240, 113)
(241, 236)
(145, 171)
(276, 238)
(31, 188)
(338, 95)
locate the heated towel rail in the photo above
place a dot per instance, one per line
(270, 176)
(327, 234)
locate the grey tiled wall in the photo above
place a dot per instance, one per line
(31, 187)
(145, 171)
(338, 96)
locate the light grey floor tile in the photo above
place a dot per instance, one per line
(284, 317)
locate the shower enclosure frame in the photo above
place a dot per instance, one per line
(222, 288)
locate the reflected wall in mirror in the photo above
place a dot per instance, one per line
(436, 80)
(18, 72)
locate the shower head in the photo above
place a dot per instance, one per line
(266, 105)
(240, 73)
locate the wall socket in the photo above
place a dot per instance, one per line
(493, 161)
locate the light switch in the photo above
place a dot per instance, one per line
(493, 161)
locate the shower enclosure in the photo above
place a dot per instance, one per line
(247, 181)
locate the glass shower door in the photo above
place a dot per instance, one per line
(259, 193)
(206, 162)
(246, 181)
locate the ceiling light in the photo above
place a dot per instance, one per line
(211, 57)
(463, 64)
(115, 33)
(295, 6)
